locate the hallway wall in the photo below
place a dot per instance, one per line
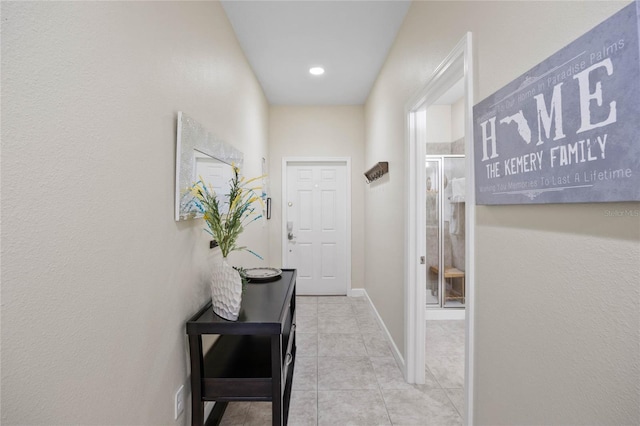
(97, 277)
(557, 296)
(319, 131)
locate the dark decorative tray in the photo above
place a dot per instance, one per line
(262, 275)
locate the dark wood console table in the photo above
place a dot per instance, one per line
(253, 358)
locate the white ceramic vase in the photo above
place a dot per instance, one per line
(226, 290)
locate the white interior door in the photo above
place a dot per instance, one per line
(315, 240)
(215, 174)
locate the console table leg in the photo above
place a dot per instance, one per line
(216, 414)
(197, 406)
(276, 377)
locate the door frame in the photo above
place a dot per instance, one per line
(458, 64)
(337, 161)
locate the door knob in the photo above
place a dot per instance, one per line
(290, 230)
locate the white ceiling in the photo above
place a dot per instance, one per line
(283, 39)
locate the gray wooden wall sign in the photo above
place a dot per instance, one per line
(568, 130)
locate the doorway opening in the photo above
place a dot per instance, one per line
(430, 264)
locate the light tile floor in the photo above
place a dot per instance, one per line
(345, 373)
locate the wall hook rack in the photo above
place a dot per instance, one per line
(377, 171)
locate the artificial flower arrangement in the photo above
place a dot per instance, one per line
(226, 217)
(226, 227)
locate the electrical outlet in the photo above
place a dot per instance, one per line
(179, 402)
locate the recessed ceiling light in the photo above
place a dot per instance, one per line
(316, 70)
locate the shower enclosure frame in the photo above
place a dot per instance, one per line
(440, 158)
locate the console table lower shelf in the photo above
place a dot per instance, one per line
(239, 368)
(253, 359)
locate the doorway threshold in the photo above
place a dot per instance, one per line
(445, 314)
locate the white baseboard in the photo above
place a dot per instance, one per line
(357, 292)
(445, 314)
(394, 349)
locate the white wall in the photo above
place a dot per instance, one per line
(325, 131)
(97, 278)
(457, 120)
(438, 128)
(557, 294)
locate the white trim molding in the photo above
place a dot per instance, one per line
(457, 65)
(470, 227)
(397, 355)
(337, 160)
(444, 314)
(358, 292)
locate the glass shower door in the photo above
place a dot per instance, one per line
(445, 239)
(453, 244)
(433, 231)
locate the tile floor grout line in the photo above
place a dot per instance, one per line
(384, 401)
(442, 387)
(434, 376)
(386, 409)
(355, 310)
(452, 403)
